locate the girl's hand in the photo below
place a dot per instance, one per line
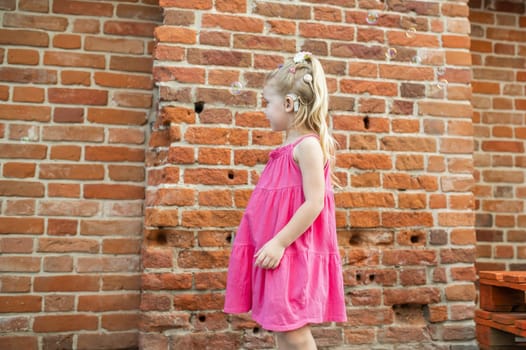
(269, 256)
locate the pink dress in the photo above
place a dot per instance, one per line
(307, 285)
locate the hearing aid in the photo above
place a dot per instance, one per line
(296, 100)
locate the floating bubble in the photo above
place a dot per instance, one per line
(441, 71)
(391, 53)
(236, 88)
(24, 139)
(442, 84)
(372, 17)
(416, 59)
(411, 32)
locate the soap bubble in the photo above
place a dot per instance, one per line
(236, 88)
(25, 139)
(391, 53)
(411, 32)
(441, 71)
(442, 84)
(372, 17)
(416, 59)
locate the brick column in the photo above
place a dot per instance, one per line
(400, 110)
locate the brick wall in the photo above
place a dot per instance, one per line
(499, 100)
(400, 109)
(75, 95)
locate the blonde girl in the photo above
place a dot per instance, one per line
(285, 265)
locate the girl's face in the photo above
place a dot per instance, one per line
(277, 110)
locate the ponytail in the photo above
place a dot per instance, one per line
(304, 77)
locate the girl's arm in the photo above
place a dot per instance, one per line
(310, 159)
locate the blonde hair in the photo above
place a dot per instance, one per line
(304, 77)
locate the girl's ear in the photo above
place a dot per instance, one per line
(291, 103)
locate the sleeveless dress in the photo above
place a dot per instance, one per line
(307, 285)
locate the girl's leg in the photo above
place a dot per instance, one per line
(298, 339)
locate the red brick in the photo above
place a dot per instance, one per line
(21, 303)
(417, 295)
(233, 23)
(121, 282)
(68, 115)
(113, 227)
(461, 292)
(120, 321)
(54, 303)
(286, 10)
(111, 340)
(126, 173)
(401, 219)
(103, 303)
(61, 323)
(219, 57)
(359, 336)
(167, 281)
(108, 264)
(81, 25)
(133, 99)
(23, 56)
(20, 170)
(64, 190)
(239, 6)
(168, 53)
(58, 264)
(196, 5)
(202, 259)
(34, 5)
(68, 208)
(83, 8)
(19, 342)
(16, 245)
(116, 116)
(56, 58)
(24, 37)
(108, 191)
(63, 245)
(21, 188)
(78, 96)
(258, 42)
(180, 74)
(152, 13)
(210, 301)
(47, 23)
(28, 94)
(375, 316)
(65, 152)
(11, 284)
(130, 46)
(71, 171)
(172, 34)
(131, 64)
(129, 28)
(210, 280)
(13, 324)
(113, 154)
(126, 81)
(25, 112)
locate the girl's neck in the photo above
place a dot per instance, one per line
(294, 134)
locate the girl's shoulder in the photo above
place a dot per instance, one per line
(307, 145)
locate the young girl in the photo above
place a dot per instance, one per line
(285, 265)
